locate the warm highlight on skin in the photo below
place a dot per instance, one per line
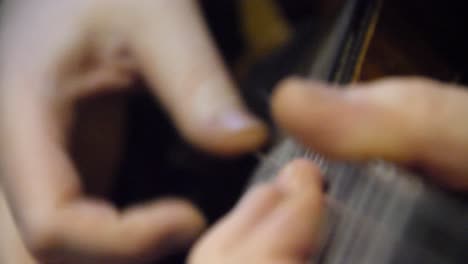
(79, 48)
(275, 222)
(412, 121)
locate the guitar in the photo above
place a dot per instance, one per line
(378, 212)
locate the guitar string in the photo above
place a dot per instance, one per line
(341, 209)
(377, 228)
(338, 207)
(353, 232)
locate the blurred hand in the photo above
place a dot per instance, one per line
(275, 222)
(53, 53)
(412, 121)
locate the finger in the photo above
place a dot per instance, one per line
(291, 229)
(237, 226)
(108, 66)
(185, 71)
(138, 234)
(45, 193)
(411, 121)
(12, 249)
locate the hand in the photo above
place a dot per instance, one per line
(275, 222)
(53, 53)
(412, 121)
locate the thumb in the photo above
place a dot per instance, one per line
(94, 230)
(411, 121)
(185, 71)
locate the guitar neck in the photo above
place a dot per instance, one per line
(378, 212)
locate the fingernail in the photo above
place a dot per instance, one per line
(234, 133)
(237, 120)
(296, 175)
(286, 179)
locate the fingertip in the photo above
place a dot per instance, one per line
(184, 224)
(229, 134)
(335, 122)
(299, 213)
(239, 135)
(298, 175)
(191, 217)
(159, 228)
(176, 214)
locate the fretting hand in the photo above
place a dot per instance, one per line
(410, 121)
(53, 53)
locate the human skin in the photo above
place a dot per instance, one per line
(414, 122)
(275, 222)
(74, 48)
(52, 53)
